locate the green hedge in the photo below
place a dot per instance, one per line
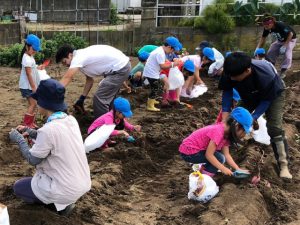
(11, 56)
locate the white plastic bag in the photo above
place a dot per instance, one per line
(202, 187)
(261, 135)
(196, 91)
(4, 218)
(176, 79)
(39, 75)
(98, 137)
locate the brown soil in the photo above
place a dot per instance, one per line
(147, 182)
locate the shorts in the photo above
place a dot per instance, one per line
(25, 93)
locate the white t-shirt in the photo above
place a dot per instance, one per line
(27, 61)
(218, 64)
(64, 175)
(98, 60)
(152, 67)
(195, 58)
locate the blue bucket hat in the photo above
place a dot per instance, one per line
(189, 66)
(143, 56)
(50, 95)
(209, 53)
(260, 51)
(173, 42)
(236, 95)
(243, 117)
(34, 41)
(204, 44)
(123, 106)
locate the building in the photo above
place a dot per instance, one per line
(58, 10)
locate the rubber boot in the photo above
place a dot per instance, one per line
(150, 105)
(155, 102)
(29, 121)
(281, 154)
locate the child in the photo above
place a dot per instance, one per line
(135, 76)
(213, 68)
(27, 82)
(235, 99)
(260, 54)
(173, 96)
(156, 62)
(62, 172)
(206, 144)
(121, 110)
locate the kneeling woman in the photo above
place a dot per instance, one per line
(62, 172)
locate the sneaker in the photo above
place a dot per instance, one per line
(67, 211)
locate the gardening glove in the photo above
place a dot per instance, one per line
(16, 136)
(78, 106)
(130, 139)
(282, 50)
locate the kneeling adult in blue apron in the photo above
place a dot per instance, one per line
(93, 61)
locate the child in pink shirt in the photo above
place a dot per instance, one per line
(210, 144)
(121, 110)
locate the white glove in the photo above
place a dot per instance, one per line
(282, 50)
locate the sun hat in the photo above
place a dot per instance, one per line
(189, 66)
(123, 106)
(243, 117)
(34, 41)
(260, 51)
(173, 42)
(209, 53)
(50, 95)
(143, 56)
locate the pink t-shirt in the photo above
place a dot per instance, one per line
(199, 139)
(108, 118)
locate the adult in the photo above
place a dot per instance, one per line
(62, 172)
(262, 91)
(93, 61)
(286, 41)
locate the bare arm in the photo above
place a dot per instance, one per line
(211, 157)
(225, 116)
(229, 159)
(168, 65)
(261, 42)
(28, 71)
(67, 78)
(89, 81)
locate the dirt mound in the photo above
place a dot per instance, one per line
(147, 182)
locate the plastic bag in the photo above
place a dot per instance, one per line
(176, 79)
(196, 91)
(4, 218)
(39, 75)
(202, 187)
(261, 135)
(98, 137)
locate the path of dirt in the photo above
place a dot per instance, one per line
(147, 182)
